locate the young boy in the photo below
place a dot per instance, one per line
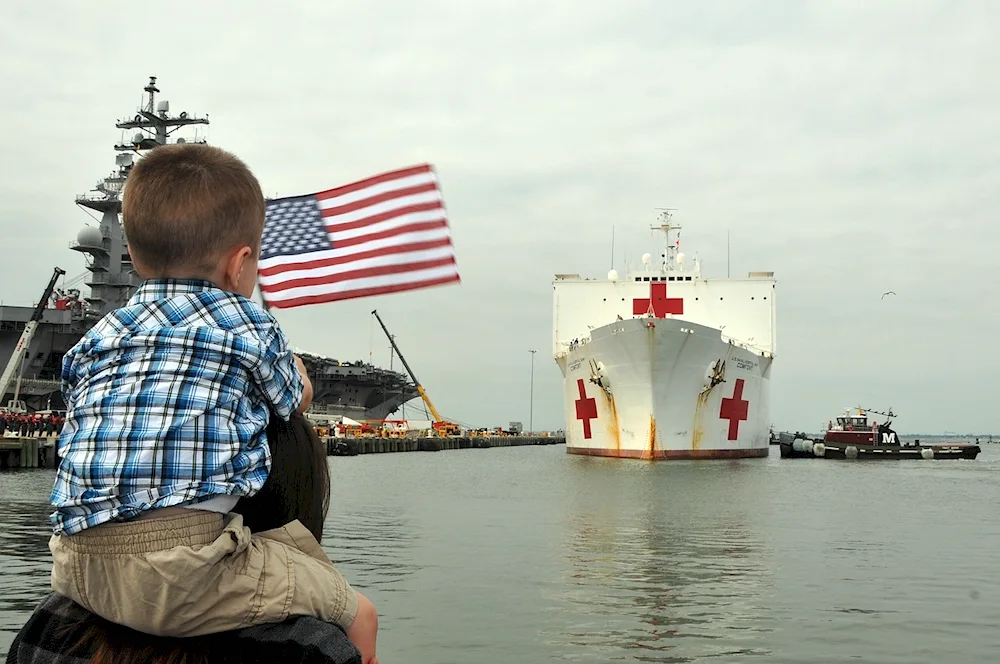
(168, 398)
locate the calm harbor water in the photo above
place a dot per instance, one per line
(530, 555)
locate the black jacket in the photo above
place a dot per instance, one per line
(58, 624)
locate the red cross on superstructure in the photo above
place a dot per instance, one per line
(586, 409)
(657, 302)
(734, 410)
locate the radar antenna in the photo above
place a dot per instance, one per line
(156, 124)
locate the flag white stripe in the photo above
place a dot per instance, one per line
(379, 188)
(373, 245)
(378, 261)
(414, 277)
(387, 225)
(384, 206)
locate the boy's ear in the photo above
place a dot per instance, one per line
(236, 269)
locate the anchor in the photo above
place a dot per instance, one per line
(716, 374)
(597, 377)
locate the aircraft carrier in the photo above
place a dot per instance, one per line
(358, 390)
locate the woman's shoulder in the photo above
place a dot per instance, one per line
(62, 632)
(298, 639)
(50, 634)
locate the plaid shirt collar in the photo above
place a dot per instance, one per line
(153, 290)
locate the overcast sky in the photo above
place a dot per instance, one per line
(850, 147)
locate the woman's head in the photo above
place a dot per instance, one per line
(298, 486)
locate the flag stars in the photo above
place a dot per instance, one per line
(293, 226)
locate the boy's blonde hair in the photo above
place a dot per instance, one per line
(186, 204)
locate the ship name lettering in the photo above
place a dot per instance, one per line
(575, 365)
(746, 365)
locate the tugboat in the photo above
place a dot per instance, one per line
(852, 436)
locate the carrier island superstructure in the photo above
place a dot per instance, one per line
(665, 363)
(356, 389)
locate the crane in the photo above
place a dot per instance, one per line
(441, 426)
(25, 340)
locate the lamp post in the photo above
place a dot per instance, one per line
(531, 398)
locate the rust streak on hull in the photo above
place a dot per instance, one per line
(652, 438)
(698, 431)
(612, 426)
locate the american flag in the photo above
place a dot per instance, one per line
(385, 234)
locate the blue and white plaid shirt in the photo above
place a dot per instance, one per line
(167, 401)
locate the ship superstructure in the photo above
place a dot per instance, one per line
(665, 363)
(356, 389)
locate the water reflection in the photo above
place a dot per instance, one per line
(648, 576)
(25, 562)
(373, 544)
(527, 554)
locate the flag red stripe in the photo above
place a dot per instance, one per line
(381, 235)
(383, 216)
(380, 198)
(272, 270)
(357, 274)
(377, 179)
(361, 292)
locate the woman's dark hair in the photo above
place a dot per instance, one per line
(298, 487)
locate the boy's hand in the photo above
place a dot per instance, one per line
(363, 630)
(307, 386)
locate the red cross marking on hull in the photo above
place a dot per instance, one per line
(658, 302)
(586, 409)
(735, 410)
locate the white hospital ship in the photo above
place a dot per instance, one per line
(665, 364)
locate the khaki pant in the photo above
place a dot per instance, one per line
(192, 572)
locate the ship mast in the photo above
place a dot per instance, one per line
(155, 122)
(671, 247)
(112, 276)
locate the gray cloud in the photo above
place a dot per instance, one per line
(851, 147)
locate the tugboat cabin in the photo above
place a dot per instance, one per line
(852, 427)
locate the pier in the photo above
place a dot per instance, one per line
(41, 452)
(28, 452)
(353, 446)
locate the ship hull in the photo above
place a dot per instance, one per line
(643, 388)
(356, 390)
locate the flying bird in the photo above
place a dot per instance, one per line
(887, 293)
